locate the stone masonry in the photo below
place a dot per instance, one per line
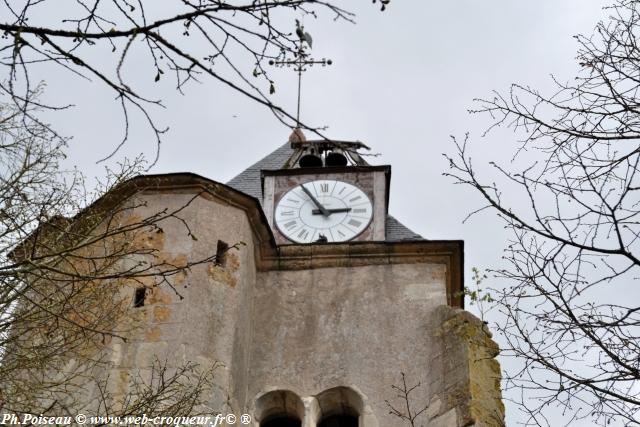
(309, 330)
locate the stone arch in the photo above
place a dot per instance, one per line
(279, 407)
(340, 406)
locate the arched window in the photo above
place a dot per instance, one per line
(282, 421)
(279, 408)
(340, 407)
(339, 421)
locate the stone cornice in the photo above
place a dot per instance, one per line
(354, 254)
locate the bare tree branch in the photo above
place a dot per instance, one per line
(227, 41)
(572, 262)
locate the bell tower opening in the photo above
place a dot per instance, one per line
(340, 407)
(282, 421)
(339, 421)
(279, 408)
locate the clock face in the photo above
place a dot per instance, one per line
(334, 209)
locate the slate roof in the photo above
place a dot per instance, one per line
(249, 183)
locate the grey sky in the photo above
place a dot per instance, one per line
(401, 82)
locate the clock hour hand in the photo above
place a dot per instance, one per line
(331, 211)
(321, 208)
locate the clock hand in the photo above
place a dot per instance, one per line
(331, 211)
(322, 209)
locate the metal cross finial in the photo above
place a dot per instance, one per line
(301, 60)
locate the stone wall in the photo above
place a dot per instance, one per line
(319, 329)
(310, 333)
(472, 395)
(201, 316)
(322, 329)
(315, 329)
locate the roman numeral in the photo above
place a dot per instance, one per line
(303, 233)
(324, 187)
(355, 198)
(354, 222)
(286, 213)
(291, 224)
(359, 210)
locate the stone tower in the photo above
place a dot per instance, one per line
(328, 302)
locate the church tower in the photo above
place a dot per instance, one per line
(325, 314)
(356, 301)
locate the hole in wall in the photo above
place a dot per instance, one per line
(221, 253)
(139, 297)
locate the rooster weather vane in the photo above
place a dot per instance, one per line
(301, 61)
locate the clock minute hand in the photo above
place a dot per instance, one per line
(331, 211)
(322, 209)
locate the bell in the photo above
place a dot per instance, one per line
(336, 158)
(310, 161)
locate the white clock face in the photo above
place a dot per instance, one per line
(334, 209)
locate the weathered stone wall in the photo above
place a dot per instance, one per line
(327, 336)
(473, 393)
(205, 319)
(359, 327)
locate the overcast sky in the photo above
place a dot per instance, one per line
(401, 82)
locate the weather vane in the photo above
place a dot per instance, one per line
(301, 61)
